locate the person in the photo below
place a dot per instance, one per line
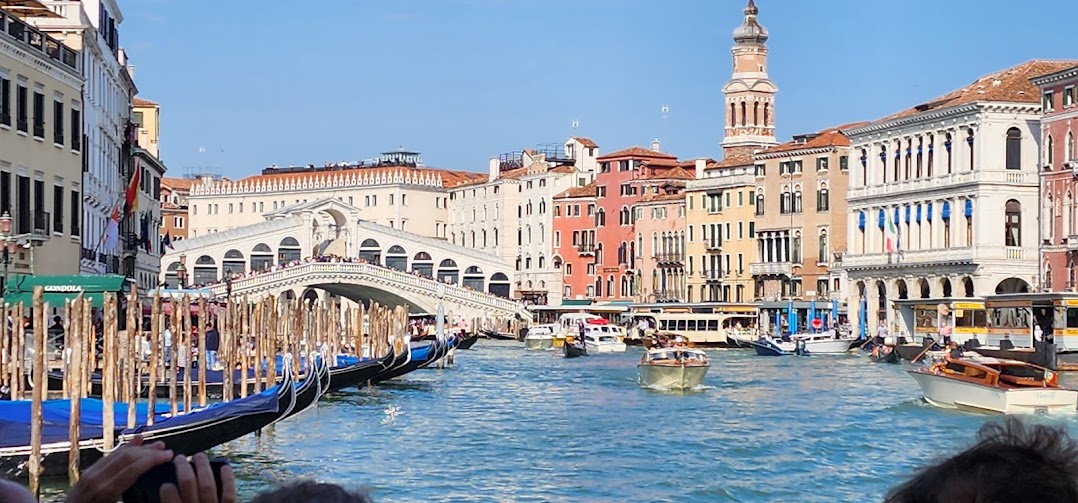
(1038, 332)
(213, 343)
(182, 354)
(11, 492)
(168, 342)
(307, 490)
(1011, 462)
(953, 351)
(107, 479)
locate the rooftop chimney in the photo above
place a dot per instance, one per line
(701, 163)
(655, 145)
(495, 168)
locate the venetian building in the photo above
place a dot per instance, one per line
(721, 253)
(396, 190)
(1059, 158)
(510, 213)
(803, 222)
(142, 230)
(659, 222)
(953, 184)
(173, 198)
(574, 241)
(41, 147)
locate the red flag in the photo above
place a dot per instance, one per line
(131, 198)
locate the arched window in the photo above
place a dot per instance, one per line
(970, 141)
(542, 206)
(542, 262)
(759, 204)
(767, 113)
(822, 258)
(756, 113)
(795, 248)
(1069, 154)
(883, 162)
(864, 167)
(557, 210)
(823, 198)
(948, 144)
(931, 155)
(744, 112)
(797, 199)
(1049, 154)
(733, 115)
(1068, 214)
(1049, 217)
(1013, 223)
(1014, 148)
(920, 155)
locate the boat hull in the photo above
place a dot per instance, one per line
(606, 347)
(678, 376)
(828, 346)
(948, 392)
(771, 348)
(573, 351)
(468, 342)
(538, 343)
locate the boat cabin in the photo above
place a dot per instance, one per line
(1017, 315)
(921, 318)
(998, 373)
(711, 324)
(674, 355)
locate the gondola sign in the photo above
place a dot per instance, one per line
(62, 288)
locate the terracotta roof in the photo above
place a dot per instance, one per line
(588, 190)
(586, 142)
(658, 198)
(450, 178)
(830, 137)
(177, 183)
(676, 173)
(139, 102)
(1011, 85)
(563, 169)
(732, 162)
(513, 174)
(637, 152)
(691, 163)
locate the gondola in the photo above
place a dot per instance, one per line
(575, 349)
(888, 357)
(468, 342)
(359, 372)
(214, 383)
(311, 390)
(185, 434)
(419, 357)
(490, 334)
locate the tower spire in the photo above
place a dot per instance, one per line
(750, 31)
(750, 95)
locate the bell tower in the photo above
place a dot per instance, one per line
(750, 95)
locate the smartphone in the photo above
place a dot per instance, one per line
(147, 489)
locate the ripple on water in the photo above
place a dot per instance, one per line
(508, 425)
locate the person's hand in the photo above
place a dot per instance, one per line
(197, 485)
(107, 479)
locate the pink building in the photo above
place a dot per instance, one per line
(1059, 158)
(574, 240)
(660, 235)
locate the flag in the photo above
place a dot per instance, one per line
(166, 242)
(891, 233)
(131, 197)
(146, 243)
(112, 230)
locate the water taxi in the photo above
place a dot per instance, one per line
(540, 338)
(990, 385)
(673, 368)
(821, 343)
(602, 341)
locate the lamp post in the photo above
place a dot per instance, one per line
(181, 271)
(10, 243)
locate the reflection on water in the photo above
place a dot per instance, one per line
(509, 425)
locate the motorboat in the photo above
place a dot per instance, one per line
(983, 384)
(539, 338)
(603, 343)
(673, 368)
(821, 343)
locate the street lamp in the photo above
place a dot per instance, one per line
(10, 243)
(181, 271)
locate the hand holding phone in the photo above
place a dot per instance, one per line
(194, 480)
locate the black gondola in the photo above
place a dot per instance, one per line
(360, 372)
(185, 434)
(888, 357)
(468, 342)
(311, 389)
(490, 334)
(575, 349)
(418, 358)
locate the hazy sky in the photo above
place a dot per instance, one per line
(266, 82)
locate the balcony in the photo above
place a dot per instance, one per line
(29, 37)
(42, 225)
(586, 249)
(771, 268)
(713, 246)
(669, 258)
(1072, 242)
(1016, 255)
(950, 182)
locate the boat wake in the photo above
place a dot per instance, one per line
(700, 388)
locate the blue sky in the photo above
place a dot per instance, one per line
(272, 82)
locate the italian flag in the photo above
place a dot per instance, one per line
(890, 231)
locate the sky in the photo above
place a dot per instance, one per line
(244, 84)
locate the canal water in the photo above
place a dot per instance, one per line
(507, 425)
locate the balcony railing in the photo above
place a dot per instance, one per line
(669, 258)
(1017, 255)
(713, 245)
(586, 249)
(42, 44)
(771, 268)
(1000, 177)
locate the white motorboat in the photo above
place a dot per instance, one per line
(539, 338)
(990, 385)
(822, 343)
(673, 368)
(601, 341)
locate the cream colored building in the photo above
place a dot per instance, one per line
(720, 225)
(40, 147)
(146, 117)
(396, 191)
(510, 213)
(958, 176)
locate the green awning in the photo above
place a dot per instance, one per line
(576, 302)
(20, 289)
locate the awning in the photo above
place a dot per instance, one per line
(20, 289)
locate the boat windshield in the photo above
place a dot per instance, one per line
(676, 355)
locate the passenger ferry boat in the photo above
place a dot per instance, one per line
(704, 325)
(990, 385)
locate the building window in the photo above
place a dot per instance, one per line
(22, 122)
(1014, 148)
(797, 200)
(39, 115)
(58, 122)
(1012, 226)
(1069, 154)
(948, 145)
(177, 222)
(1068, 96)
(931, 156)
(822, 258)
(821, 164)
(795, 248)
(58, 208)
(759, 205)
(969, 141)
(5, 101)
(1047, 104)
(761, 170)
(823, 199)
